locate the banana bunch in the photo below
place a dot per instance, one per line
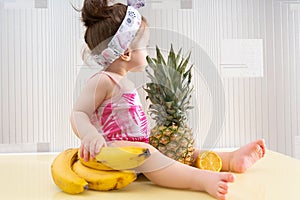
(63, 175)
(108, 171)
(104, 180)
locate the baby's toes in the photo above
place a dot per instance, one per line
(223, 189)
(223, 185)
(221, 196)
(227, 177)
(262, 145)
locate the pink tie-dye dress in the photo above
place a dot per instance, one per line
(121, 117)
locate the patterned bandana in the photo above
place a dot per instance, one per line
(136, 3)
(124, 36)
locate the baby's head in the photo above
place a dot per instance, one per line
(103, 21)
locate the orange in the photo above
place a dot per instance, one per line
(209, 160)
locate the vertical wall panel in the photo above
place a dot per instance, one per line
(286, 76)
(297, 70)
(39, 59)
(37, 73)
(1, 79)
(279, 85)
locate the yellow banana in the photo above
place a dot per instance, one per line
(103, 180)
(94, 164)
(63, 175)
(123, 158)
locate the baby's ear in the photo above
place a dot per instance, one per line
(126, 56)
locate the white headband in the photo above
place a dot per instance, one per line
(122, 39)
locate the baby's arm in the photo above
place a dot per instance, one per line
(92, 95)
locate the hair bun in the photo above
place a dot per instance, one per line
(94, 10)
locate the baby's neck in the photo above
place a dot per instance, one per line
(117, 68)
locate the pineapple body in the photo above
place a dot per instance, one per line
(174, 142)
(170, 92)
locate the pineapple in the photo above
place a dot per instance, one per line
(169, 93)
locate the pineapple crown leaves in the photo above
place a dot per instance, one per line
(170, 88)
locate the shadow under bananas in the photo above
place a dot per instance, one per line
(96, 195)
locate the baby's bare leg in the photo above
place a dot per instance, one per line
(181, 176)
(243, 158)
(168, 173)
(247, 155)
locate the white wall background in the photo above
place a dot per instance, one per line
(40, 59)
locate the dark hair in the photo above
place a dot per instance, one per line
(102, 21)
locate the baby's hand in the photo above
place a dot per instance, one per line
(91, 145)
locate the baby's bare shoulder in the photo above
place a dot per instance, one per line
(101, 80)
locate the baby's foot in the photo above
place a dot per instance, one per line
(217, 184)
(246, 156)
